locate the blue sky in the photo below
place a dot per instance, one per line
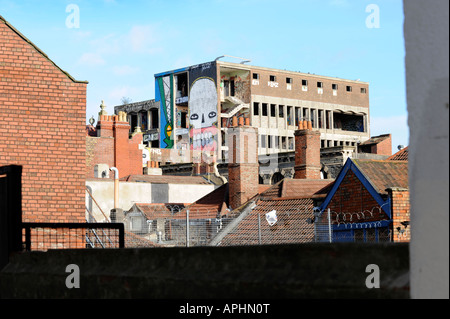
(119, 45)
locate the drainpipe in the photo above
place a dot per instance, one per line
(116, 186)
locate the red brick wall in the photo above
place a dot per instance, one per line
(384, 147)
(400, 213)
(42, 128)
(243, 166)
(307, 154)
(352, 197)
(114, 148)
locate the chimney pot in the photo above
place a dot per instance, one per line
(309, 125)
(241, 121)
(234, 123)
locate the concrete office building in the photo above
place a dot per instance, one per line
(198, 105)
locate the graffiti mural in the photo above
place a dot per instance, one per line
(203, 110)
(164, 95)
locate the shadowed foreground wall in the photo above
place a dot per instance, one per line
(276, 272)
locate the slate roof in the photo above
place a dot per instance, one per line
(401, 155)
(383, 174)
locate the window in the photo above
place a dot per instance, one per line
(272, 78)
(289, 83)
(348, 88)
(281, 110)
(290, 120)
(283, 142)
(273, 110)
(269, 141)
(263, 141)
(255, 108)
(264, 109)
(305, 85)
(255, 80)
(320, 87)
(363, 90)
(291, 143)
(334, 87)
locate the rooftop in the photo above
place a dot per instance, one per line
(384, 174)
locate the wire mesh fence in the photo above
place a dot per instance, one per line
(268, 223)
(45, 236)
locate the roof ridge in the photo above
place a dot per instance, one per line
(39, 50)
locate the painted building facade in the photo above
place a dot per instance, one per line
(198, 104)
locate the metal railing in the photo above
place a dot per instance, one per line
(45, 236)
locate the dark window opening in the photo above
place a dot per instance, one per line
(264, 109)
(272, 78)
(348, 122)
(255, 108)
(288, 80)
(334, 86)
(281, 110)
(273, 110)
(255, 76)
(320, 84)
(363, 90)
(154, 118)
(305, 82)
(348, 88)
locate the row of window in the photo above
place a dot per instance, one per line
(319, 118)
(287, 142)
(305, 83)
(276, 142)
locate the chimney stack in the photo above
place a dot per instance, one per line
(243, 165)
(307, 152)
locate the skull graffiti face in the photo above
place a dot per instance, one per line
(203, 114)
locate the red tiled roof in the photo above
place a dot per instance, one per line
(135, 241)
(165, 179)
(376, 139)
(401, 155)
(210, 205)
(291, 227)
(384, 174)
(297, 188)
(154, 211)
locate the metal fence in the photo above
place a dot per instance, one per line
(45, 236)
(171, 227)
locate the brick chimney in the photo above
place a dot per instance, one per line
(307, 152)
(243, 165)
(121, 129)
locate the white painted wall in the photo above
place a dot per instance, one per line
(426, 32)
(130, 193)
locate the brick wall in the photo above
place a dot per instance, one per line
(352, 197)
(400, 213)
(384, 147)
(278, 88)
(114, 147)
(243, 166)
(42, 128)
(307, 152)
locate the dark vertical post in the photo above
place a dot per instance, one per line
(10, 212)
